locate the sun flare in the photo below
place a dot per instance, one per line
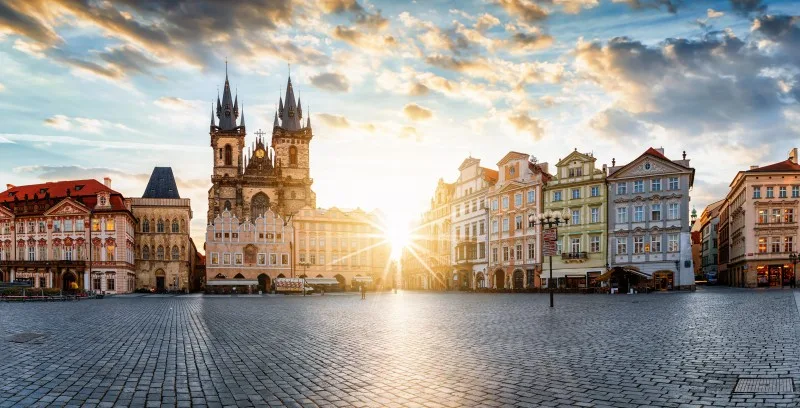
(397, 233)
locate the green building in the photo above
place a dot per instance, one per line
(582, 244)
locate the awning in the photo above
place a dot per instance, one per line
(231, 282)
(626, 269)
(362, 279)
(321, 281)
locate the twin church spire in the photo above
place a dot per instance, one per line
(288, 116)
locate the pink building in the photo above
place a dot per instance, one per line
(46, 231)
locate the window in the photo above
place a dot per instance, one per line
(770, 192)
(655, 212)
(214, 258)
(505, 254)
(655, 185)
(518, 222)
(56, 227)
(228, 155)
(531, 221)
(788, 215)
(41, 227)
(68, 254)
(673, 211)
(531, 250)
(762, 245)
(67, 226)
(146, 255)
(284, 259)
(175, 227)
(494, 255)
(795, 191)
(176, 255)
(322, 259)
(160, 226)
(505, 203)
(756, 192)
(531, 196)
(518, 200)
(594, 244)
(638, 186)
(518, 252)
(292, 155)
(762, 216)
(576, 193)
(466, 208)
(237, 259)
(494, 204)
(576, 217)
(110, 225)
(42, 253)
(776, 244)
(110, 284)
(96, 283)
(474, 205)
(622, 246)
(145, 225)
(788, 244)
(622, 188)
(110, 252)
(494, 226)
(673, 183)
(595, 192)
(505, 224)
(638, 245)
(56, 253)
(302, 257)
(622, 214)
(655, 243)
(160, 253)
(458, 233)
(556, 195)
(31, 253)
(782, 192)
(312, 259)
(575, 245)
(482, 250)
(673, 243)
(322, 242)
(595, 215)
(776, 215)
(483, 227)
(638, 213)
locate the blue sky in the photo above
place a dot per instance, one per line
(399, 92)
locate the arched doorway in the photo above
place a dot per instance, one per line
(499, 279)
(339, 278)
(480, 280)
(463, 281)
(519, 279)
(263, 282)
(67, 280)
(161, 280)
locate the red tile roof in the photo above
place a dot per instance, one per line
(490, 175)
(786, 165)
(656, 153)
(83, 191)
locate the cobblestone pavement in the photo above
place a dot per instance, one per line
(410, 349)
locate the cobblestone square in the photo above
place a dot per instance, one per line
(410, 349)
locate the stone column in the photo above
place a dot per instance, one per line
(50, 278)
(13, 274)
(86, 281)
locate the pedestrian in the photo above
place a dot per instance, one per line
(363, 292)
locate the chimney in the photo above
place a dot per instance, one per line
(605, 169)
(753, 167)
(793, 155)
(107, 181)
(660, 150)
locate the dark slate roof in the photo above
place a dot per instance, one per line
(161, 184)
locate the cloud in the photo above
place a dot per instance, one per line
(331, 81)
(524, 42)
(409, 132)
(106, 144)
(2, 87)
(375, 42)
(363, 18)
(486, 21)
(336, 121)
(527, 11)
(618, 125)
(748, 6)
(670, 5)
(524, 123)
(53, 173)
(416, 112)
(418, 89)
(178, 104)
(711, 13)
(59, 122)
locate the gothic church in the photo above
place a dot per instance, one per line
(266, 176)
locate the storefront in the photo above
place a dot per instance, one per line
(774, 275)
(664, 280)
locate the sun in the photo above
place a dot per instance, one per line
(397, 233)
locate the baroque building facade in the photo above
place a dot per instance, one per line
(469, 228)
(164, 251)
(515, 246)
(649, 228)
(65, 234)
(579, 186)
(427, 260)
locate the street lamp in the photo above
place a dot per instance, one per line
(794, 258)
(551, 220)
(304, 265)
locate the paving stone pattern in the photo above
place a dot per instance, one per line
(410, 349)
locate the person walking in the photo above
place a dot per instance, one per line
(363, 292)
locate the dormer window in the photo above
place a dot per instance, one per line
(103, 201)
(78, 188)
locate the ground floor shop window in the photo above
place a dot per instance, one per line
(110, 284)
(664, 280)
(774, 275)
(96, 284)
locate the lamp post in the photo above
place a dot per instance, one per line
(304, 265)
(551, 220)
(794, 258)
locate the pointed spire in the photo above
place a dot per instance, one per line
(308, 118)
(241, 123)
(299, 109)
(227, 115)
(236, 106)
(289, 115)
(212, 115)
(276, 120)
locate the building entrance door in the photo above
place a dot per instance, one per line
(160, 283)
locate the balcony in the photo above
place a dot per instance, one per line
(574, 256)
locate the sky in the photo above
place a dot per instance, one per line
(399, 93)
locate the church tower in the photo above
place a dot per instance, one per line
(227, 143)
(291, 140)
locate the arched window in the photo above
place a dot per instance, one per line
(258, 205)
(227, 205)
(292, 156)
(176, 256)
(145, 225)
(160, 253)
(160, 225)
(145, 252)
(183, 224)
(175, 227)
(228, 155)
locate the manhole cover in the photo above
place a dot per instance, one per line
(24, 337)
(764, 386)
